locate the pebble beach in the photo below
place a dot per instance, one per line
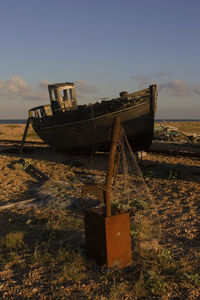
(44, 174)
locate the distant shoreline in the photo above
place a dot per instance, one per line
(177, 120)
(23, 121)
(13, 121)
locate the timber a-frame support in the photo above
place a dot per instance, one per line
(24, 136)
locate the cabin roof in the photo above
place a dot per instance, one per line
(57, 85)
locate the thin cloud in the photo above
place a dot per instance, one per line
(84, 87)
(36, 96)
(176, 87)
(180, 88)
(196, 88)
(162, 73)
(16, 87)
(140, 77)
(44, 84)
(144, 80)
(1, 84)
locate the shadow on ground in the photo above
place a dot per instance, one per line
(99, 162)
(162, 170)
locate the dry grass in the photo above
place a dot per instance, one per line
(56, 258)
(15, 132)
(12, 240)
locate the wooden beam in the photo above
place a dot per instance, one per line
(20, 204)
(24, 136)
(117, 130)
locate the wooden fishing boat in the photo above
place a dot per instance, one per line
(67, 126)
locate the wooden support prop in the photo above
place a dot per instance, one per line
(24, 136)
(117, 163)
(117, 129)
(103, 192)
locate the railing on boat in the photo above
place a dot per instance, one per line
(41, 111)
(44, 111)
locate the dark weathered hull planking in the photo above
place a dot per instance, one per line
(95, 132)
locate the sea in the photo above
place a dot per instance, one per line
(13, 121)
(23, 121)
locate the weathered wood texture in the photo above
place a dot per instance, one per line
(82, 129)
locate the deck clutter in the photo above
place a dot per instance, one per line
(172, 134)
(172, 141)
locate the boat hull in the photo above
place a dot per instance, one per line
(95, 133)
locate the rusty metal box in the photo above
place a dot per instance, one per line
(108, 239)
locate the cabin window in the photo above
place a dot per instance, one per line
(65, 94)
(71, 93)
(52, 94)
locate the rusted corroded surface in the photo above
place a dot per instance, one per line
(108, 233)
(108, 239)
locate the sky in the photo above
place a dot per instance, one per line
(104, 47)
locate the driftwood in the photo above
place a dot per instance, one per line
(21, 204)
(174, 149)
